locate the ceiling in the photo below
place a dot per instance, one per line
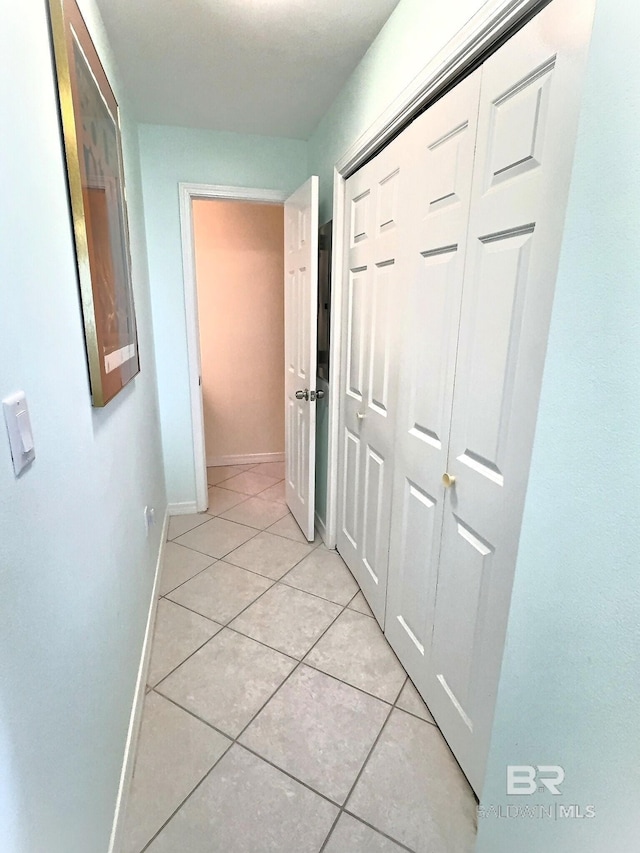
(271, 67)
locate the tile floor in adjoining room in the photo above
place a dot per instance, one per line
(277, 717)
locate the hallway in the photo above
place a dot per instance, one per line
(277, 718)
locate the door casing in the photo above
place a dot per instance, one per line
(187, 193)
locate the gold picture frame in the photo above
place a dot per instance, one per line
(93, 150)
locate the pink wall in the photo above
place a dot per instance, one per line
(240, 272)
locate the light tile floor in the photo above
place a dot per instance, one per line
(277, 717)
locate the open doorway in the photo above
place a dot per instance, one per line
(246, 399)
(239, 272)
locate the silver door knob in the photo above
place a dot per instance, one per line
(317, 395)
(302, 395)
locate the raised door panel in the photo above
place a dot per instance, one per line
(356, 321)
(380, 338)
(416, 527)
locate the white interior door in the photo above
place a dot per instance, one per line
(441, 144)
(526, 132)
(301, 318)
(368, 391)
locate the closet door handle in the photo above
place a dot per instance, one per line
(448, 480)
(360, 416)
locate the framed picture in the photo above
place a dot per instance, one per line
(91, 129)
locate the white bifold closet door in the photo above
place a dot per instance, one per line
(453, 550)
(442, 144)
(374, 223)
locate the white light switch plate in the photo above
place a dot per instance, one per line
(16, 414)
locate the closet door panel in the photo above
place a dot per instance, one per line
(357, 296)
(442, 145)
(526, 133)
(355, 363)
(370, 365)
(416, 527)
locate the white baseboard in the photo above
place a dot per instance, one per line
(135, 719)
(244, 459)
(184, 508)
(321, 528)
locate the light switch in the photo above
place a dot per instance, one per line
(16, 414)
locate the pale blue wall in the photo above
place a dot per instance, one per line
(76, 569)
(170, 155)
(416, 31)
(570, 686)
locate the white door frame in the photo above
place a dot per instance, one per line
(187, 193)
(485, 30)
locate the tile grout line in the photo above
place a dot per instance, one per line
(252, 497)
(190, 655)
(169, 591)
(359, 776)
(235, 548)
(258, 529)
(303, 659)
(249, 466)
(226, 625)
(224, 560)
(298, 661)
(286, 773)
(400, 844)
(232, 742)
(173, 539)
(298, 664)
(181, 804)
(212, 518)
(235, 741)
(154, 689)
(273, 648)
(361, 771)
(221, 485)
(265, 577)
(281, 580)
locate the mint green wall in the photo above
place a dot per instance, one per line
(170, 155)
(570, 686)
(416, 31)
(76, 568)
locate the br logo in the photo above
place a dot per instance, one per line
(529, 779)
